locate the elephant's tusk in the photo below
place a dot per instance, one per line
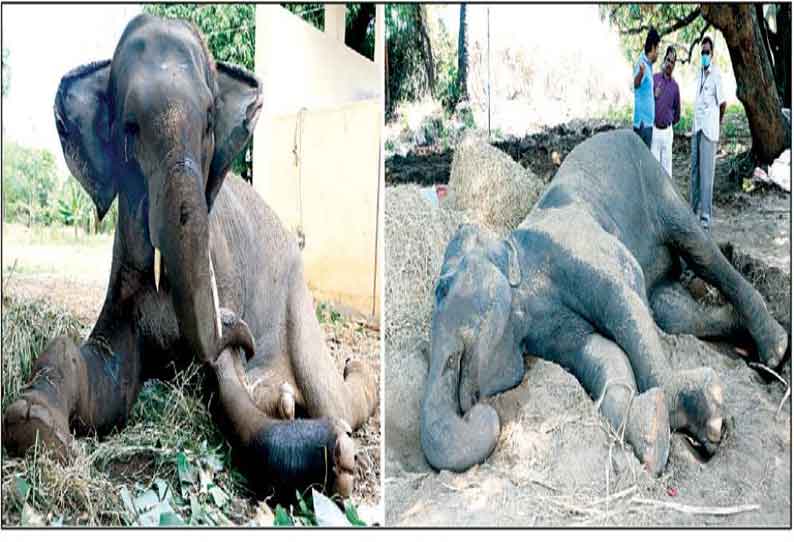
(215, 298)
(157, 269)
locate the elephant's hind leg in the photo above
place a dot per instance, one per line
(350, 396)
(604, 371)
(677, 312)
(86, 389)
(704, 256)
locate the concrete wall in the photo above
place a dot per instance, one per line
(317, 153)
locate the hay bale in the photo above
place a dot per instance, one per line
(418, 234)
(489, 187)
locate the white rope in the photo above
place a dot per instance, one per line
(297, 150)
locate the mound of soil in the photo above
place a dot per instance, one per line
(558, 463)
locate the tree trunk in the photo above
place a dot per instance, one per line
(755, 81)
(463, 56)
(425, 47)
(781, 49)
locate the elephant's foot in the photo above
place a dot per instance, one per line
(297, 454)
(695, 403)
(648, 430)
(772, 350)
(30, 419)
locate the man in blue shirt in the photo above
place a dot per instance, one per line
(644, 109)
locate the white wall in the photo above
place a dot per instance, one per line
(327, 98)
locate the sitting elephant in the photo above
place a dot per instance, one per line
(201, 269)
(584, 281)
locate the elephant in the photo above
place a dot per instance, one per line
(586, 281)
(202, 272)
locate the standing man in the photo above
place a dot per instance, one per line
(643, 88)
(667, 105)
(709, 110)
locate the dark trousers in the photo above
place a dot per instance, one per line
(645, 133)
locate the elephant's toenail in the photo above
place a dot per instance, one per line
(714, 429)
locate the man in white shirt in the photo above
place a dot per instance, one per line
(709, 110)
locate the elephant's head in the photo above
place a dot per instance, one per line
(474, 350)
(159, 126)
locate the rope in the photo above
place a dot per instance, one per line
(297, 151)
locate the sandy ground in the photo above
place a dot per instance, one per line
(51, 265)
(557, 463)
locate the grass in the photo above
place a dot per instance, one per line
(735, 119)
(170, 465)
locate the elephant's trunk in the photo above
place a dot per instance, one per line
(451, 441)
(179, 228)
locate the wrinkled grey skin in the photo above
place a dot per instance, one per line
(158, 127)
(584, 281)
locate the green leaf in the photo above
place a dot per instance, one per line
(352, 514)
(23, 488)
(302, 506)
(170, 519)
(326, 513)
(282, 517)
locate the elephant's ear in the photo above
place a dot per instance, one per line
(237, 105)
(82, 118)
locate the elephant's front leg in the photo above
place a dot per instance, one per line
(89, 388)
(283, 455)
(605, 372)
(694, 397)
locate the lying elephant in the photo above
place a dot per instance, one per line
(584, 281)
(158, 126)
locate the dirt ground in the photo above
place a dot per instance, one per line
(73, 274)
(557, 462)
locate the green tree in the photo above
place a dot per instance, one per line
(755, 61)
(409, 61)
(230, 31)
(75, 208)
(29, 178)
(463, 55)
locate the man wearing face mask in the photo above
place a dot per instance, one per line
(709, 110)
(667, 107)
(643, 88)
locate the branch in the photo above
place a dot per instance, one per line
(695, 42)
(677, 25)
